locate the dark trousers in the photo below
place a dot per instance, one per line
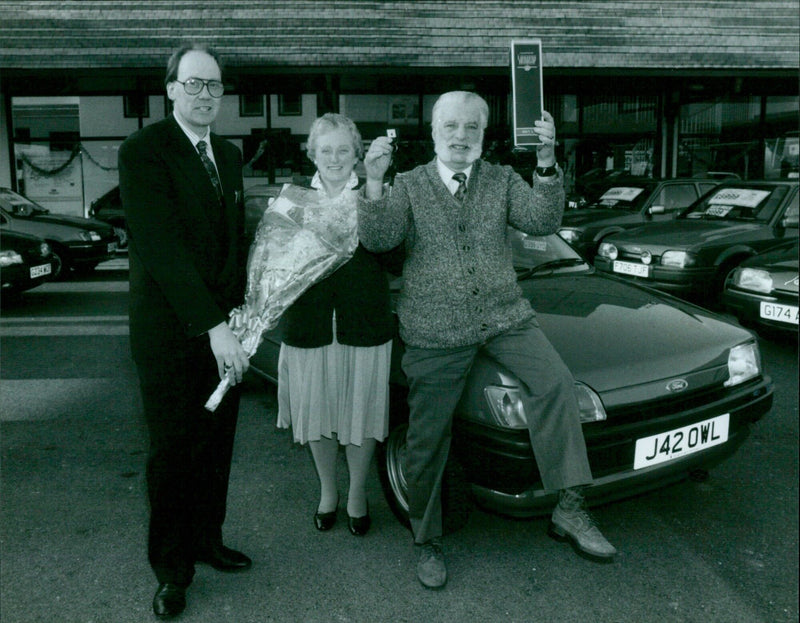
(189, 458)
(436, 380)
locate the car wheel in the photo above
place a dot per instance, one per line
(122, 235)
(60, 266)
(456, 498)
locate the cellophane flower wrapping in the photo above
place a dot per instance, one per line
(303, 237)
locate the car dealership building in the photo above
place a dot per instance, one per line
(656, 88)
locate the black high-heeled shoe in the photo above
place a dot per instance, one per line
(359, 526)
(325, 521)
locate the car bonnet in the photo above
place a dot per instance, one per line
(628, 342)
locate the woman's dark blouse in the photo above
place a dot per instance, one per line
(358, 292)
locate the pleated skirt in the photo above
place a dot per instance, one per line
(334, 390)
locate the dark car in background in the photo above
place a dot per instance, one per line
(693, 254)
(762, 292)
(76, 243)
(108, 208)
(656, 405)
(625, 202)
(25, 262)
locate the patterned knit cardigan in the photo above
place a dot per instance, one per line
(459, 283)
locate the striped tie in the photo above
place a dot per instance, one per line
(461, 178)
(210, 169)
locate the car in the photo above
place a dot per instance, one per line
(693, 254)
(762, 291)
(25, 262)
(256, 200)
(666, 389)
(627, 202)
(108, 208)
(76, 243)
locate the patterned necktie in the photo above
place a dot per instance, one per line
(461, 178)
(210, 169)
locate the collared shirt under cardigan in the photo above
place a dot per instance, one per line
(459, 283)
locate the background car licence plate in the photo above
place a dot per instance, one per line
(629, 268)
(781, 313)
(681, 442)
(40, 271)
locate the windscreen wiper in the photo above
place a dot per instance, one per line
(527, 273)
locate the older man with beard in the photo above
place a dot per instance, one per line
(460, 296)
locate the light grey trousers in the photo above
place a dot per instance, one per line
(436, 380)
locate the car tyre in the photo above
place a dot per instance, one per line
(122, 235)
(60, 266)
(456, 499)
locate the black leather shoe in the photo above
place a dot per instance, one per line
(359, 526)
(169, 601)
(224, 558)
(324, 521)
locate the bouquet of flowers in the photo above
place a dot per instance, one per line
(303, 237)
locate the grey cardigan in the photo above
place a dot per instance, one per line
(459, 283)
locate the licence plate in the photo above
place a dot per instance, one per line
(681, 442)
(629, 268)
(780, 313)
(40, 271)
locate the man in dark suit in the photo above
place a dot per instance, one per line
(181, 188)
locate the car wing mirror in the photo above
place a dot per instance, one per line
(657, 210)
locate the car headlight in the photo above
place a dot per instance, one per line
(744, 363)
(753, 279)
(90, 235)
(589, 403)
(569, 235)
(7, 258)
(508, 410)
(606, 249)
(679, 259)
(505, 406)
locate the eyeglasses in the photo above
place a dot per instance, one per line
(194, 86)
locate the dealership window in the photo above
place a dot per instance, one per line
(782, 140)
(721, 136)
(617, 133)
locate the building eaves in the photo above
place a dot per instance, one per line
(632, 34)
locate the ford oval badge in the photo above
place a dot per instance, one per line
(678, 385)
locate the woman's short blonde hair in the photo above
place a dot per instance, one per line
(332, 121)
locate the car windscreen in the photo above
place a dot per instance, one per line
(738, 203)
(19, 205)
(533, 253)
(622, 197)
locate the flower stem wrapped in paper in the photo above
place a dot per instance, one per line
(303, 237)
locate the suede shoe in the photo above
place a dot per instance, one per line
(169, 601)
(431, 568)
(571, 522)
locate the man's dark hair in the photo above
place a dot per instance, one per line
(175, 59)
